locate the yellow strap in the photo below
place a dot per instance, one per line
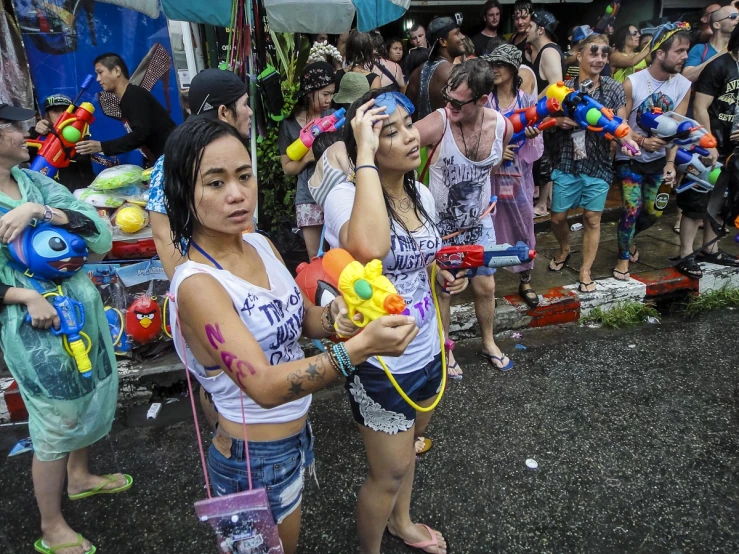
(401, 392)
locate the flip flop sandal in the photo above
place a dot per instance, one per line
(101, 490)
(42, 547)
(676, 228)
(582, 284)
(558, 266)
(634, 258)
(427, 444)
(423, 545)
(620, 275)
(690, 268)
(489, 359)
(529, 296)
(457, 376)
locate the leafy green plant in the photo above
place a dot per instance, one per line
(698, 304)
(621, 315)
(277, 189)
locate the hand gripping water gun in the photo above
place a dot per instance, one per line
(607, 18)
(519, 139)
(367, 291)
(453, 258)
(58, 148)
(308, 134)
(364, 288)
(697, 176)
(588, 113)
(675, 129)
(533, 115)
(72, 320)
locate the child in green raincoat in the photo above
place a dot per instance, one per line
(67, 412)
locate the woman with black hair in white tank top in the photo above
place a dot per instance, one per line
(241, 314)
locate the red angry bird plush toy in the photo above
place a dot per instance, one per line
(143, 320)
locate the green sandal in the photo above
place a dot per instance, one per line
(100, 490)
(41, 546)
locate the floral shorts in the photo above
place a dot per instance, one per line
(309, 215)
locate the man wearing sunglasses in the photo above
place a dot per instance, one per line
(722, 22)
(659, 86)
(582, 162)
(468, 141)
(429, 79)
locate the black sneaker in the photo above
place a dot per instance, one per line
(719, 258)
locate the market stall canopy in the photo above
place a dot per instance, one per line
(212, 12)
(451, 3)
(331, 16)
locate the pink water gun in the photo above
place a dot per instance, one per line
(326, 124)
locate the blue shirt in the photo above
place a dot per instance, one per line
(696, 55)
(156, 188)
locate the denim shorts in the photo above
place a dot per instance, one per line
(375, 402)
(574, 191)
(279, 466)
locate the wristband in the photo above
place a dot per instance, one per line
(368, 166)
(48, 214)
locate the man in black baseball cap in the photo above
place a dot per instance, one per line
(214, 94)
(429, 79)
(218, 94)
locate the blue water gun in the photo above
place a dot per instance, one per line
(698, 176)
(589, 114)
(121, 344)
(71, 322)
(675, 129)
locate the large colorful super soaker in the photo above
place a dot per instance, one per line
(675, 129)
(608, 18)
(589, 114)
(58, 148)
(308, 134)
(698, 176)
(454, 258)
(537, 116)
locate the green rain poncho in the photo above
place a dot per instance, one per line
(66, 411)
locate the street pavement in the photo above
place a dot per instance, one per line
(635, 433)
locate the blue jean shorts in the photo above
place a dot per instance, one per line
(375, 402)
(279, 466)
(573, 191)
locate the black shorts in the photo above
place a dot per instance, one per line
(694, 205)
(375, 402)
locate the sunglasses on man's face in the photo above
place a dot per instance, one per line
(453, 102)
(604, 50)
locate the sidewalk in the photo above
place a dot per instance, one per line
(653, 278)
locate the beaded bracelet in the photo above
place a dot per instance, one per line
(342, 356)
(325, 325)
(334, 362)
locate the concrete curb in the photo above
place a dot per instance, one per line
(567, 305)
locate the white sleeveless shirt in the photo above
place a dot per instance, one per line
(274, 316)
(461, 187)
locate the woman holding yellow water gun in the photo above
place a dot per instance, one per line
(387, 215)
(238, 316)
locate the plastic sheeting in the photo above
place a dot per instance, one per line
(372, 14)
(310, 16)
(66, 411)
(212, 12)
(15, 86)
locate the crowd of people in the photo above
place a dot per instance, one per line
(426, 160)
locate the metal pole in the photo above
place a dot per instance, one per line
(252, 93)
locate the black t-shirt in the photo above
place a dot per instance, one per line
(480, 41)
(720, 79)
(149, 122)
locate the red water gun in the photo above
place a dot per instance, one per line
(58, 148)
(526, 117)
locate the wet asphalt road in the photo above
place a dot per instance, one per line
(635, 432)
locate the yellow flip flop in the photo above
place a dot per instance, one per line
(42, 547)
(101, 490)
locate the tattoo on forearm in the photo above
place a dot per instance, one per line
(314, 372)
(238, 368)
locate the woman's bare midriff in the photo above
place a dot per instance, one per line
(262, 432)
